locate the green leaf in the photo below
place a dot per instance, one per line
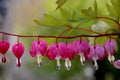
(65, 14)
(63, 19)
(49, 21)
(45, 23)
(73, 15)
(116, 6)
(96, 8)
(88, 13)
(50, 18)
(60, 3)
(112, 11)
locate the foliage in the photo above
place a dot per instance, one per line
(60, 3)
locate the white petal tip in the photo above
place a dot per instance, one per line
(58, 67)
(111, 58)
(83, 62)
(96, 67)
(82, 59)
(68, 68)
(39, 64)
(68, 64)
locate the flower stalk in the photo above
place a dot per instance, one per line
(62, 37)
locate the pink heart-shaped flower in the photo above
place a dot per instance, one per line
(18, 50)
(4, 46)
(38, 49)
(57, 51)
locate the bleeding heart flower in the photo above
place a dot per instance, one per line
(117, 64)
(38, 50)
(96, 53)
(110, 46)
(18, 50)
(70, 53)
(4, 46)
(57, 51)
(81, 49)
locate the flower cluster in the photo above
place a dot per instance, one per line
(18, 50)
(68, 51)
(62, 51)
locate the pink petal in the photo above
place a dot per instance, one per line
(38, 47)
(84, 46)
(76, 45)
(81, 46)
(33, 52)
(4, 46)
(61, 50)
(57, 51)
(100, 52)
(70, 51)
(91, 53)
(42, 47)
(117, 64)
(110, 46)
(51, 53)
(18, 49)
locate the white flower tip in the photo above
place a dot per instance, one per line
(68, 64)
(58, 64)
(39, 64)
(68, 68)
(39, 61)
(112, 62)
(83, 62)
(58, 67)
(111, 58)
(95, 65)
(82, 59)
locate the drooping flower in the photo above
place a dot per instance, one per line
(18, 50)
(38, 49)
(81, 49)
(96, 53)
(110, 46)
(4, 46)
(70, 53)
(117, 64)
(57, 51)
